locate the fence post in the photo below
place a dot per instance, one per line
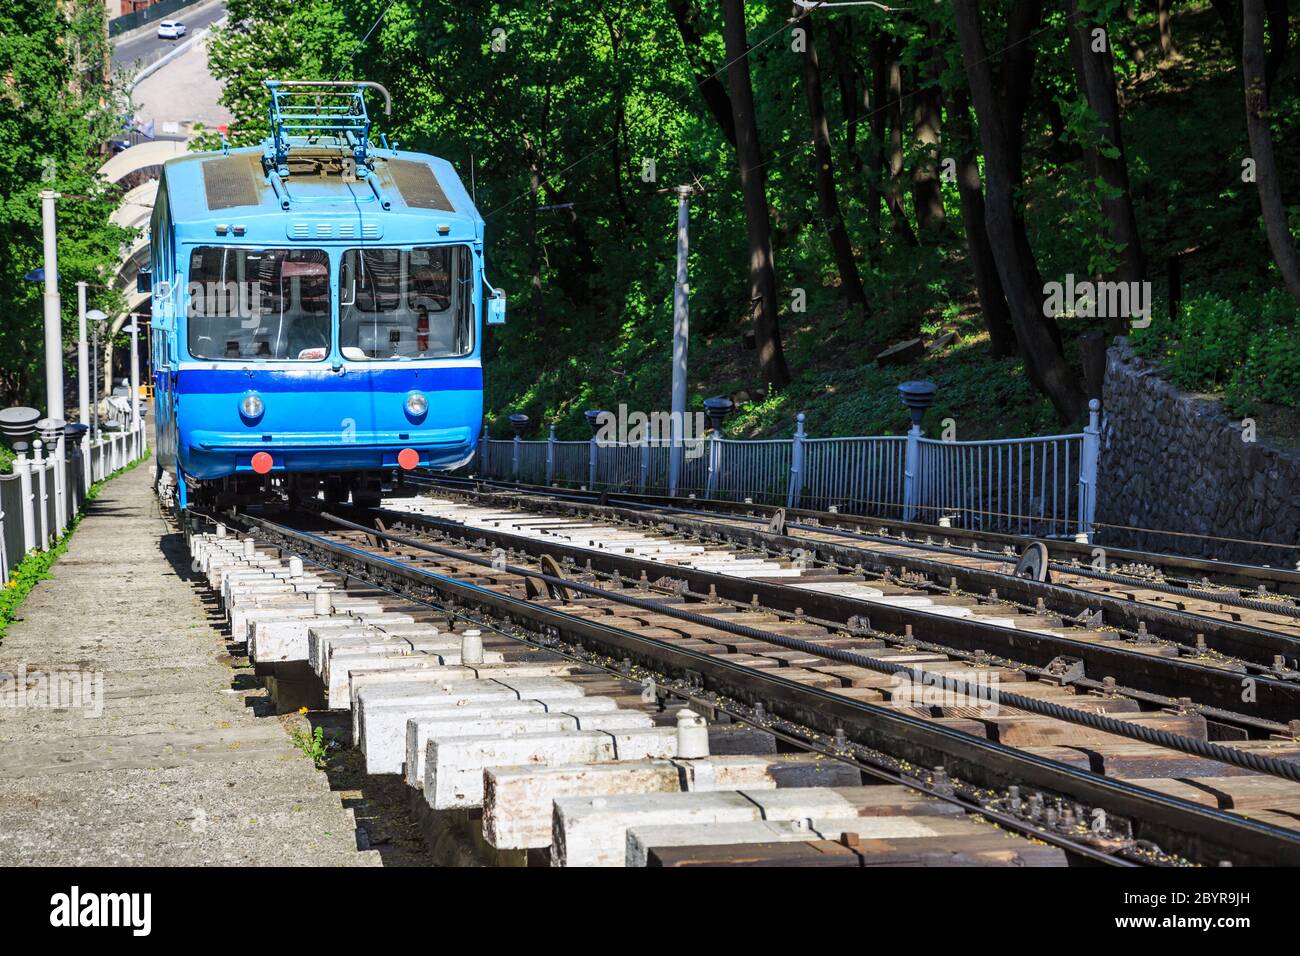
(593, 416)
(23, 467)
(644, 483)
(674, 462)
(514, 458)
(56, 479)
(911, 465)
(42, 496)
(550, 457)
(1088, 471)
(715, 451)
(796, 463)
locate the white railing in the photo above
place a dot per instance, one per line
(1042, 486)
(43, 494)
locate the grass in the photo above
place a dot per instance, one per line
(36, 564)
(314, 746)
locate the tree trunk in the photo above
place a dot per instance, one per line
(1261, 147)
(620, 118)
(927, 125)
(847, 75)
(710, 86)
(993, 301)
(1164, 22)
(876, 169)
(1044, 361)
(758, 227)
(894, 114)
(1016, 85)
(827, 201)
(1097, 83)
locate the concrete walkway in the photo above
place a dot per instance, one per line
(163, 758)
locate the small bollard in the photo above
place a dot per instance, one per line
(295, 567)
(221, 530)
(1081, 538)
(250, 548)
(320, 603)
(471, 647)
(692, 735)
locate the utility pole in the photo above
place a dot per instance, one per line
(83, 382)
(53, 320)
(681, 337)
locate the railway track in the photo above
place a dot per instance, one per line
(961, 699)
(1255, 645)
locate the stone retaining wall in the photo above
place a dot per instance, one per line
(1174, 462)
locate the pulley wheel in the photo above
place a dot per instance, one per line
(552, 567)
(1033, 562)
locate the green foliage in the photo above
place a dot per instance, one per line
(314, 746)
(1243, 348)
(583, 94)
(57, 109)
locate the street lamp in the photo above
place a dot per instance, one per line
(96, 318)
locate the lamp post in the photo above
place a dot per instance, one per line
(917, 396)
(53, 317)
(83, 382)
(681, 337)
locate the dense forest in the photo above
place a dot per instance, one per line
(867, 174)
(866, 177)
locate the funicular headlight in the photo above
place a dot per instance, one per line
(251, 406)
(416, 404)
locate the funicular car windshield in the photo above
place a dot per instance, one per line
(258, 304)
(403, 304)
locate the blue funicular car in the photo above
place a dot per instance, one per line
(318, 306)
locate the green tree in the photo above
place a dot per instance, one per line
(57, 111)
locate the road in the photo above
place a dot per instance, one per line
(145, 46)
(181, 92)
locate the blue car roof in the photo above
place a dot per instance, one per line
(231, 187)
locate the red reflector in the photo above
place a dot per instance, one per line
(408, 458)
(262, 463)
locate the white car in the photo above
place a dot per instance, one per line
(171, 30)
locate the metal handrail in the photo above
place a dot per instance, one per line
(1043, 485)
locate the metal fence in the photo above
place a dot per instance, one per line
(39, 500)
(1042, 486)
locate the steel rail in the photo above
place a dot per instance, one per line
(1219, 688)
(1197, 832)
(877, 764)
(1231, 600)
(716, 506)
(1101, 722)
(1245, 642)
